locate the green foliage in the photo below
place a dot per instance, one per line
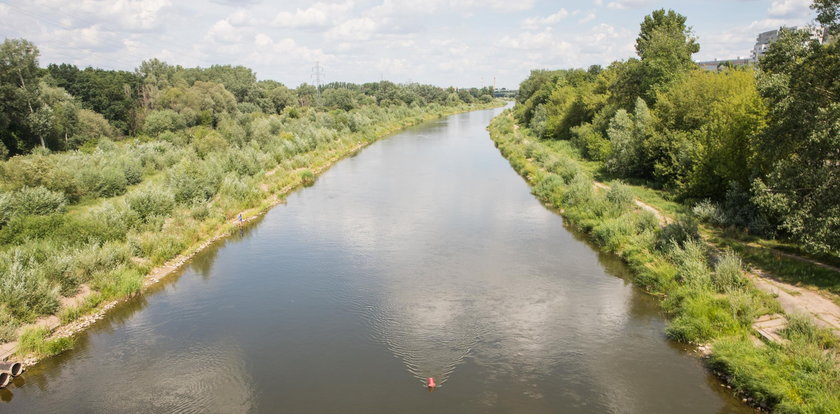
(795, 378)
(30, 201)
(159, 121)
(665, 45)
(151, 201)
(34, 341)
(799, 188)
(591, 143)
(307, 178)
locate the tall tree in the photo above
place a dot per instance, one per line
(19, 95)
(665, 45)
(800, 181)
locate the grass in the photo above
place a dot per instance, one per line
(783, 268)
(34, 342)
(704, 292)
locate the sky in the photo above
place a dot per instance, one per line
(462, 43)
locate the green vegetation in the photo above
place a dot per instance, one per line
(760, 144)
(34, 341)
(697, 146)
(703, 291)
(113, 173)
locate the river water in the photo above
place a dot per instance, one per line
(423, 256)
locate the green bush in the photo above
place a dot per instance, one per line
(593, 146)
(160, 121)
(102, 181)
(727, 276)
(23, 290)
(30, 201)
(193, 180)
(680, 232)
(307, 178)
(708, 212)
(621, 196)
(151, 201)
(550, 189)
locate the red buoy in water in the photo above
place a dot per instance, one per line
(431, 383)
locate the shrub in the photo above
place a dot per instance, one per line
(151, 201)
(550, 189)
(159, 121)
(620, 196)
(25, 293)
(692, 264)
(727, 276)
(681, 231)
(593, 146)
(708, 212)
(307, 178)
(30, 201)
(192, 180)
(133, 171)
(102, 181)
(565, 167)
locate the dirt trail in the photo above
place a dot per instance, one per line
(794, 300)
(663, 219)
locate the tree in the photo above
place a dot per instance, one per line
(828, 14)
(799, 182)
(665, 45)
(18, 95)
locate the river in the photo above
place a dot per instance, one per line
(425, 255)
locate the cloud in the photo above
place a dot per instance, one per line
(131, 15)
(536, 22)
(628, 4)
(319, 15)
(354, 29)
(588, 18)
(789, 8)
(224, 32)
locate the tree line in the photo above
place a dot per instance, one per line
(760, 146)
(63, 107)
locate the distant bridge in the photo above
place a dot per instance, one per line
(505, 93)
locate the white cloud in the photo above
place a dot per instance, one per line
(588, 18)
(354, 29)
(552, 19)
(223, 32)
(318, 15)
(789, 8)
(628, 4)
(132, 15)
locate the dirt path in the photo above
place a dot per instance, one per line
(794, 300)
(799, 301)
(663, 219)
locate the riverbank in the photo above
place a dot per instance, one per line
(191, 234)
(712, 304)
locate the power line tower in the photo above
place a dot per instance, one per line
(318, 75)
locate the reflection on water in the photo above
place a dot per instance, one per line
(423, 256)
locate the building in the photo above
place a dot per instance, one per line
(764, 39)
(717, 64)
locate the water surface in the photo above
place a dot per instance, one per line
(424, 255)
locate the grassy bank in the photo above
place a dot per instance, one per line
(188, 189)
(704, 292)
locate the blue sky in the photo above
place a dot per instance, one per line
(443, 42)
